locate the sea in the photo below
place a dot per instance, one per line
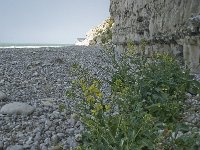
(31, 45)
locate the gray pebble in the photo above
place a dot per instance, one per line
(15, 147)
(1, 145)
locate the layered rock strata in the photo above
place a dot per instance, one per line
(166, 25)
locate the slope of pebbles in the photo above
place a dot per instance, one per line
(40, 77)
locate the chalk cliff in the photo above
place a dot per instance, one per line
(99, 35)
(166, 25)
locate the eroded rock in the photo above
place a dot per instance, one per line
(166, 26)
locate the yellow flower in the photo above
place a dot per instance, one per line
(96, 82)
(98, 107)
(118, 82)
(82, 81)
(90, 99)
(83, 87)
(99, 95)
(94, 112)
(93, 89)
(125, 90)
(107, 107)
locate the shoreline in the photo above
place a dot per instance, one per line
(32, 45)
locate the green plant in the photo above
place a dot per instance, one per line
(103, 39)
(99, 31)
(104, 33)
(110, 22)
(142, 111)
(61, 107)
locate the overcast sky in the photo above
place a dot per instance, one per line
(49, 21)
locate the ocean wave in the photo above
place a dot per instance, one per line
(10, 45)
(29, 46)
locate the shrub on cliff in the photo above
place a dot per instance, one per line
(100, 35)
(142, 111)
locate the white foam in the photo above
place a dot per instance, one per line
(27, 46)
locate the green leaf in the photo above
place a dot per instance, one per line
(182, 127)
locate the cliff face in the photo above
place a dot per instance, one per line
(166, 25)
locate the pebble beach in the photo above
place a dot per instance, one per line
(34, 81)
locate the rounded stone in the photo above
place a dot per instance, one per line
(56, 148)
(2, 96)
(78, 137)
(1, 145)
(17, 108)
(15, 147)
(54, 139)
